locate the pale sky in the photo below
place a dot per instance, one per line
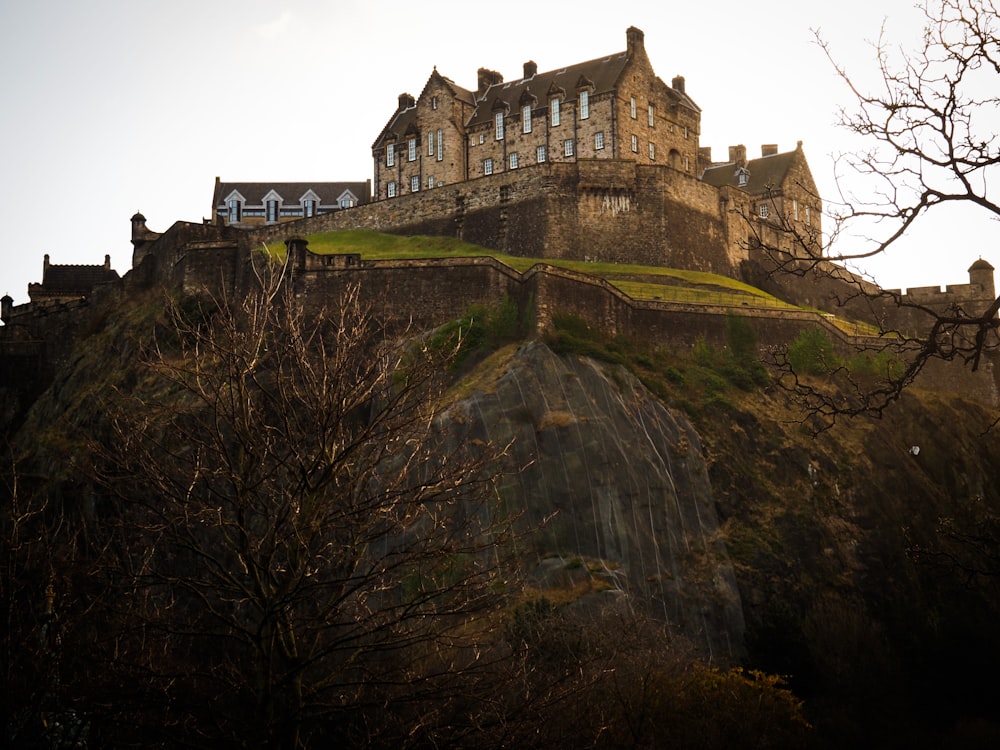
(114, 106)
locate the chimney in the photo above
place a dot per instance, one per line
(768, 149)
(678, 84)
(405, 101)
(107, 262)
(487, 78)
(738, 155)
(634, 37)
(530, 68)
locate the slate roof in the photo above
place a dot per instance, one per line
(290, 192)
(765, 173)
(72, 280)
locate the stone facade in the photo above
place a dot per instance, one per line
(614, 107)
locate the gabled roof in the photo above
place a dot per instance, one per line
(290, 192)
(404, 119)
(765, 173)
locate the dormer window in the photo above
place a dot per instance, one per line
(526, 118)
(411, 149)
(235, 210)
(390, 155)
(742, 177)
(584, 105)
(498, 125)
(272, 207)
(554, 111)
(310, 204)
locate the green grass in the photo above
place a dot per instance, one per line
(652, 283)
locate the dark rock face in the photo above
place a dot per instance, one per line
(611, 477)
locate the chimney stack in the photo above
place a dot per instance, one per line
(530, 69)
(405, 101)
(635, 40)
(678, 84)
(768, 149)
(486, 79)
(738, 155)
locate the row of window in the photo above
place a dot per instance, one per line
(273, 209)
(555, 116)
(435, 147)
(763, 210)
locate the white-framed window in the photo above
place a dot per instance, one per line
(763, 210)
(488, 166)
(235, 211)
(652, 151)
(440, 145)
(651, 115)
(271, 207)
(498, 125)
(512, 160)
(795, 210)
(568, 147)
(434, 102)
(414, 184)
(742, 177)
(686, 132)
(482, 138)
(526, 118)
(808, 217)
(390, 190)
(308, 207)
(635, 144)
(411, 149)
(631, 107)
(390, 155)
(599, 140)
(430, 143)
(430, 183)
(345, 202)
(554, 111)
(584, 105)
(540, 154)
(687, 164)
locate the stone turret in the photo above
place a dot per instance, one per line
(981, 275)
(142, 238)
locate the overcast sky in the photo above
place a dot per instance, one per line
(114, 106)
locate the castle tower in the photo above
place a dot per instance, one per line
(981, 274)
(142, 238)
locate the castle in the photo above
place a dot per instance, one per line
(594, 161)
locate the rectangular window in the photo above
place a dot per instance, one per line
(540, 154)
(430, 182)
(795, 210)
(635, 144)
(687, 164)
(235, 211)
(390, 155)
(652, 152)
(651, 116)
(808, 218)
(414, 184)
(512, 160)
(434, 102)
(345, 202)
(554, 111)
(498, 123)
(390, 190)
(488, 166)
(482, 138)
(631, 107)
(568, 147)
(309, 208)
(411, 150)
(440, 139)
(685, 132)
(599, 140)
(272, 211)
(763, 211)
(526, 118)
(584, 105)
(430, 143)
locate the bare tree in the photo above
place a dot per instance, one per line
(295, 557)
(930, 128)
